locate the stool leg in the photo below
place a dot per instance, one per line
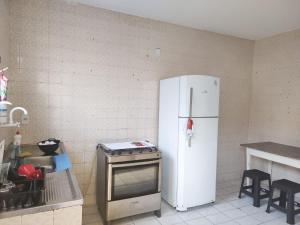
(291, 209)
(256, 193)
(270, 183)
(270, 200)
(282, 201)
(242, 185)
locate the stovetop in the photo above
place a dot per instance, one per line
(128, 148)
(129, 151)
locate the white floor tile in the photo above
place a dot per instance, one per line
(218, 218)
(206, 211)
(230, 223)
(200, 221)
(235, 213)
(248, 220)
(169, 220)
(264, 217)
(223, 206)
(189, 215)
(239, 203)
(280, 221)
(250, 209)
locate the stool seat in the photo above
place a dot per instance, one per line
(287, 186)
(257, 174)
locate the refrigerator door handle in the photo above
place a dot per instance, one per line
(191, 102)
(190, 130)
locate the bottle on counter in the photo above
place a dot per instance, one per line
(16, 145)
(17, 138)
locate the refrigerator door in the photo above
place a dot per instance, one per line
(197, 164)
(200, 95)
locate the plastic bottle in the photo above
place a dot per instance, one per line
(17, 139)
(16, 146)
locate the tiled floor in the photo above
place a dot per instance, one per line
(228, 210)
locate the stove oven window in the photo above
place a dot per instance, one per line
(134, 181)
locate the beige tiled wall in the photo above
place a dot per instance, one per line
(4, 33)
(5, 133)
(87, 74)
(275, 105)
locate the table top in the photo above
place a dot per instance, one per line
(275, 148)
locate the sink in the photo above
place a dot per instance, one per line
(39, 161)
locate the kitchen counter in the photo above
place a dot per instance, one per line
(275, 148)
(61, 188)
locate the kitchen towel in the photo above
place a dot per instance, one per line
(61, 162)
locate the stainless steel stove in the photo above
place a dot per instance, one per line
(128, 179)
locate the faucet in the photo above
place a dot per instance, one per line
(11, 121)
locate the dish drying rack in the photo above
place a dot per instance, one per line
(22, 193)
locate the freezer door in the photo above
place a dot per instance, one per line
(200, 94)
(197, 164)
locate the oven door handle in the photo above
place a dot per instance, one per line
(135, 164)
(111, 166)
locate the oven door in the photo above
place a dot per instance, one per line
(134, 179)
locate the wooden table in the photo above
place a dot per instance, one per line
(273, 152)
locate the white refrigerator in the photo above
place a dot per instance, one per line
(188, 138)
